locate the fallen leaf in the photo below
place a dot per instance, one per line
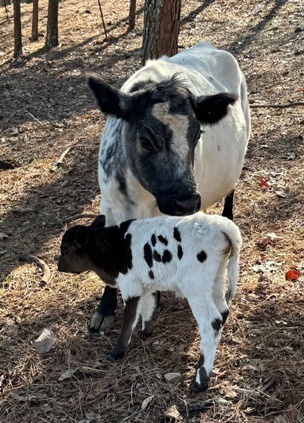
(263, 182)
(172, 377)
(292, 274)
(44, 343)
(3, 236)
(67, 374)
(173, 413)
(146, 402)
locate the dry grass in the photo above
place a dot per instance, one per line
(46, 107)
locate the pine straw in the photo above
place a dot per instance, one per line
(258, 372)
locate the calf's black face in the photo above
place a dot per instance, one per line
(73, 257)
(76, 254)
(160, 132)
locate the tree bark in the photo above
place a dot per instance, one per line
(161, 28)
(17, 29)
(132, 12)
(52, 25)
(34, 36)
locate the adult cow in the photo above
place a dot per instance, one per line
(174, 141)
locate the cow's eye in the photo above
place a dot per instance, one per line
(146, 144)
(199, 134)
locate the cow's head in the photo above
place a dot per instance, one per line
(162, 126)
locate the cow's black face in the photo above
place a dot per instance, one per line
(159, 145)
(159, 135)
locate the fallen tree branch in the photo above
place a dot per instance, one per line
(40, 263)
(279, 106)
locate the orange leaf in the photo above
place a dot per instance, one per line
(292, 275)
(263, 182)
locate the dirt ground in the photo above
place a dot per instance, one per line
(46, 110)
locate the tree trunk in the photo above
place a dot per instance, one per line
(161, 28)
(34, 36)
(17, 29)
(132, 12)
(52, 25)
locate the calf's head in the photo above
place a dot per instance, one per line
(78, 247)
(160, 132)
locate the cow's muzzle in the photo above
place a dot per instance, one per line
(179, 206)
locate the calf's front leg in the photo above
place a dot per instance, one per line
(131, 315)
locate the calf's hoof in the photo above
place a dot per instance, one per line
(147, 332)
(199, 387)
(100, 323)
(115, 355)
(144, 335)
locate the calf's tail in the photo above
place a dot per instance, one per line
(233, 262)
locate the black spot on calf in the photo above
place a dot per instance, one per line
(180, 252)
(176, 234)
(151, 274)
(157, 256)
(153, 240)
(225, 315)
(128, 239)
(217, 324)
(148, 254)
(201, 256)
(163, 240)
(167, 256)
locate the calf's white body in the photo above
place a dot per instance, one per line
(186, 255)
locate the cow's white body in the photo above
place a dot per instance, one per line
(220, 151)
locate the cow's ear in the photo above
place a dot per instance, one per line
(81, 237)
(210, 109)
(110, 100)
(99, 222)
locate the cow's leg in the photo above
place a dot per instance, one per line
(208, 319)
(131, 314)
(228, 206)
(105, 312)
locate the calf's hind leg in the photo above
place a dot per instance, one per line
(146, 308)
(208, 319)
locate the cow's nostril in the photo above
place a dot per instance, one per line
(187, 207)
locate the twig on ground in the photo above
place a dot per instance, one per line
(280, 106)
(60, 160)
(34, 117)
(40, 263)
(79, 216)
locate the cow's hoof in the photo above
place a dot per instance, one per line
(100, 323)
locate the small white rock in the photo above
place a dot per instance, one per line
(172, 377)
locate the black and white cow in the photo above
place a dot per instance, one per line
(187, 255)
(174, 141)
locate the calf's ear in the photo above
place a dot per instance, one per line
(99, 222)
(110, 100)
(210, 109)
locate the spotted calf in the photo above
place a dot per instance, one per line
(186, 255)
